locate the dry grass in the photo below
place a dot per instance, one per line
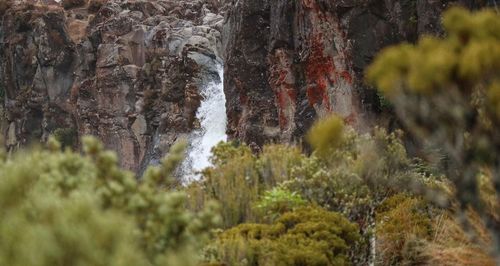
(452, 246)
(400, 221)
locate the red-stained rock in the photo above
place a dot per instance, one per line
(293, 61)
(282, 81)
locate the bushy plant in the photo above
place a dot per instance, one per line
(351, 174)
(446, 92)
(234, 182)
(356, 172)
(62, 208)
(326, 135)
(67, 137)
(238, 178)
(278, 201)
(306, 236)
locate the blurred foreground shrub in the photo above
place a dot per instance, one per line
(62, 208)
(446, 92)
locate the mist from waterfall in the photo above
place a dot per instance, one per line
(213, 120)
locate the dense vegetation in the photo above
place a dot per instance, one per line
(63, 208)
(356, 198)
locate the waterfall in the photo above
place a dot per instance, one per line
(213, 121)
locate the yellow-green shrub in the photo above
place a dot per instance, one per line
(357, 172)
(238, 177)
(62, 208)
(307, 236)
(276, 202)
(446, 92)
(353, 176)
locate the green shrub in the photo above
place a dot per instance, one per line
(45, 230)
(62, 208)
(234, 182)
(238, 178)
(307, 236)
(446, 92)
(67, 137)
(358, 172)
(352, 176)
(326, 135)
(278, 201)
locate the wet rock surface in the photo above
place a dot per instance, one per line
(129, 72)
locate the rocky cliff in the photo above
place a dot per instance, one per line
(130, 71)
(291, 61)
(126, 71)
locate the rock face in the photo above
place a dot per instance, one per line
(127, 72)
(291, 61)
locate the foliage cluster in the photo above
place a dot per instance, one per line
(446, 93)
(278, 201)
(67, 137)
(306, 236)
(238, 178)
(352, 175)
(62, 208)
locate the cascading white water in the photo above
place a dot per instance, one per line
(213, 121)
